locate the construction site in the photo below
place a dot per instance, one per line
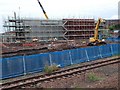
(28, 33)
(29, 45)
(52, 35)
(48, 34)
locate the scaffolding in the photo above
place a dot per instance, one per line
(29, 29)
(79, 28)
(26, 30)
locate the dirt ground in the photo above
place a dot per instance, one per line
(103, 77)
(13, 49)
(28, 48)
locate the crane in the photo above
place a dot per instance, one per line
(43, 9)
(95, 40)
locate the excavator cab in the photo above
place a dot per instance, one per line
(95, 41)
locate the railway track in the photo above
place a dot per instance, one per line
(46, 77)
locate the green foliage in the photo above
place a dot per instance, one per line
(117, 26)
(92, 77)
(50, 69)
(113, 27)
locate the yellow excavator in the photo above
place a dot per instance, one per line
(94, 41)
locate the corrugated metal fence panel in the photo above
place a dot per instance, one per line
(105, 50)
(61, 58)
(93, 53)
(12, 67)
(35, 63)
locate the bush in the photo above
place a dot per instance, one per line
(50, 69)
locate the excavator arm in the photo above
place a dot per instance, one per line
(100, 20)
(95, 40)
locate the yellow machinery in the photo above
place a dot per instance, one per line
(43, 9)
(95, 40)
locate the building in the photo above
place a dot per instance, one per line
(18, 30)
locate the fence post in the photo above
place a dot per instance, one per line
(24, 66)
(50, 59)
(100, 52)
(111, 49)
(87, 55)
(70, 57)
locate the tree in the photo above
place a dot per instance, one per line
(113, 27)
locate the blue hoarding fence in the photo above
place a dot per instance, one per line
(21, 65)
(61, 58)
(114, 39)
(106, 50)
(12, 67)
(36, 63)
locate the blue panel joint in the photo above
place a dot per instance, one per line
(111, 49)
(24, 66)
(87, 55)
(70, 57)
(50, 59)
(100, 52)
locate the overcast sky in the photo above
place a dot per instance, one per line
(59, 9)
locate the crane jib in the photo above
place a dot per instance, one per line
(43, 9)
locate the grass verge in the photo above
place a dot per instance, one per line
(92, 77)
